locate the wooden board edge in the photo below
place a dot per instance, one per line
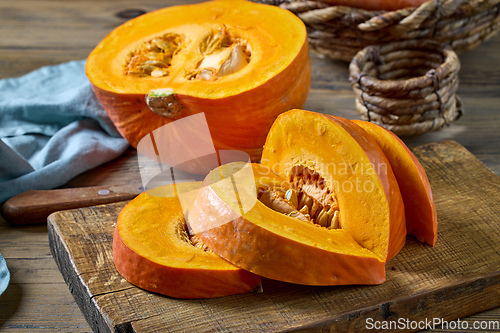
(81, 295)
(401, 312)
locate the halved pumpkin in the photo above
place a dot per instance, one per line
(239, 62)
(152, 249)
(329, 209)
(421, 216)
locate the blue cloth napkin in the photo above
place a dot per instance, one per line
(4, 275)
(52, 128)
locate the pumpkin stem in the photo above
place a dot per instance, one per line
(163, 103)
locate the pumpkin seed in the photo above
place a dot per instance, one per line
(159, 72)
(154, 63)
(146, 68)
(304, 210)
(153, 47)
(322, 219)
(207, 74)
(291, 195)
(334, 223)
(236, 61)
(314, 208)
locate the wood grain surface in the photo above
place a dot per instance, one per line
(36, 33)
(458, 277)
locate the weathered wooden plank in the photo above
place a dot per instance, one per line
(30, 307)
(23, 241)
(457, 278)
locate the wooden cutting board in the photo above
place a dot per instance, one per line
(460, 276)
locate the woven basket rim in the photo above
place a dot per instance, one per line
(428, 79)
(411, 106)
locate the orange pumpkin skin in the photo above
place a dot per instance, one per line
(276, 246)
(421, 216)
(397, 217)
(239, 107)
(148, 252)
(337, 147)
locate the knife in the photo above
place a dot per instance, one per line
(34, 206)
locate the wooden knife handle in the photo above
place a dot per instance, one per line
(34, 206)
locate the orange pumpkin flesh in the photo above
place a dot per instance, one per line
(151, 250)
(272, 244)
(354, 167)
(239, 106)
(421, 217)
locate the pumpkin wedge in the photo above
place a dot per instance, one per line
(152, 249)
(421, 217)
(351, 165)
(239, 62)
(271, 243)
(329, 209)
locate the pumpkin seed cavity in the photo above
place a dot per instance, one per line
(308, 199)
(154, 57)
(190, 238)
(221, 54)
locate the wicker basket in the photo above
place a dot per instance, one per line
(340, 32)
(408, 87)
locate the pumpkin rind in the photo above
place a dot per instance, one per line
(239, 107)
(421, 216)
(149, 253)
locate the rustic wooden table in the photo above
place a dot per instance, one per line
(47, 32)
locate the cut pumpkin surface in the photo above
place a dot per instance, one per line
(152, 249)
(421, 216)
